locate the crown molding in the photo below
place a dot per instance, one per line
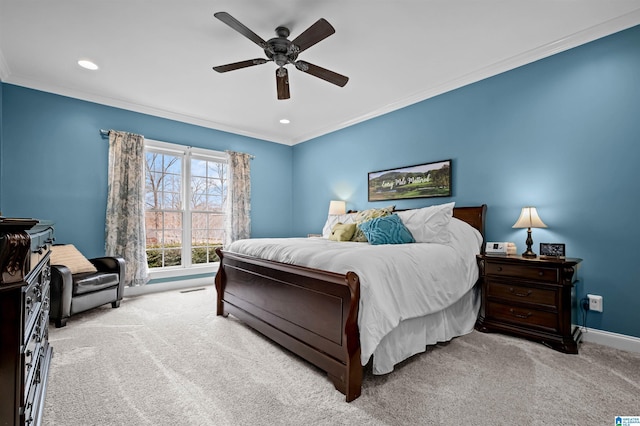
(582, 37)
(136, 107)
(577, 39)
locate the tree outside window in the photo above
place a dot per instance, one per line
(179, 233)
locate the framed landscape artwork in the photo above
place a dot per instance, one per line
(420, 181)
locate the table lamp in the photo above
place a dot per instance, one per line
(529, 219)
(337, 207)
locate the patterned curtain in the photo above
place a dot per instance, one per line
(125, 233)
(238, 205)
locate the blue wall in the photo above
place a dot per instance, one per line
(54, 164)
(561, 134)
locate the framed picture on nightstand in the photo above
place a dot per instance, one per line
(552, 250)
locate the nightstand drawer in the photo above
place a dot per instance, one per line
(519, 293)
(522, 316)
(537, 273)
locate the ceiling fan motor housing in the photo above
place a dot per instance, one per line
(280, 49)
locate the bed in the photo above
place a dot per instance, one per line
(321, 313)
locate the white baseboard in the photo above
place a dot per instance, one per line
(614, 340)
(167, 286)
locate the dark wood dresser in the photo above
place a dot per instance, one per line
(25, 354)
(532, 298)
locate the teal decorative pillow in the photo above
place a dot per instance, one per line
(386, 230)
(367, 215)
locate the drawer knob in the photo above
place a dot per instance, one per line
(499, 268)
(540, 273)
(520, 294)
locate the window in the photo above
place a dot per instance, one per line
(185, 194)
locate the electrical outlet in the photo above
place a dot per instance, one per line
(595, 302)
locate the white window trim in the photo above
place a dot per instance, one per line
(182, 271)
(187, 152)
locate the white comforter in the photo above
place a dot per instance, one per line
(397, 282)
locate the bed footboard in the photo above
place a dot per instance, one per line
(312, 313)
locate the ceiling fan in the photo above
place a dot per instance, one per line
(283, 52)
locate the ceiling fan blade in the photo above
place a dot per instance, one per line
(282, 83)
(241, 28)
(315, 33)
(325, 74)
(242, 64)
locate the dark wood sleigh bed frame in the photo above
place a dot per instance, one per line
(312, 313)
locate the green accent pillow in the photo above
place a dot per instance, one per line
(386, 230)
(367, 215)
(342, 231)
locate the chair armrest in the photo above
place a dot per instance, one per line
(61, 289)
(113, 264)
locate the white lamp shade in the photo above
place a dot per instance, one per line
(337, 207)
(529, 219)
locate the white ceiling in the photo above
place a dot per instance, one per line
(156, 56)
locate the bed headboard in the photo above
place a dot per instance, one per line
(474, 216)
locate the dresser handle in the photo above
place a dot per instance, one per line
(527, 294)
(499, 268)
(28, 408)
(540, 273)
(523, 316)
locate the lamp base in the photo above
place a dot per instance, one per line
(529, 254)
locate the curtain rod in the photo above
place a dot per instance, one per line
(105, 133)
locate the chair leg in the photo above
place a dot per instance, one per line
(115, 304)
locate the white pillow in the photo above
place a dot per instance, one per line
(334, 219)
(429, 224)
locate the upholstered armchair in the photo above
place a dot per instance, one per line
(79, 284)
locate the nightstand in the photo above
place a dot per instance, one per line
(531, 298)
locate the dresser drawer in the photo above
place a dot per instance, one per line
(41, 240)
(34, 348)
(32, 306)
(522, 316)
(524, 294)
(31, 404)
(537, 273)
(36, 296)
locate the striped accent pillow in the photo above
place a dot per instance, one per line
(69, 256)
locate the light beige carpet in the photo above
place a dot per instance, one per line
(167, 359)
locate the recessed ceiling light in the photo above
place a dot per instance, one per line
(285, 121)
(87, 64)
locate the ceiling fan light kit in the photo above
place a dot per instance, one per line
(282, 52)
